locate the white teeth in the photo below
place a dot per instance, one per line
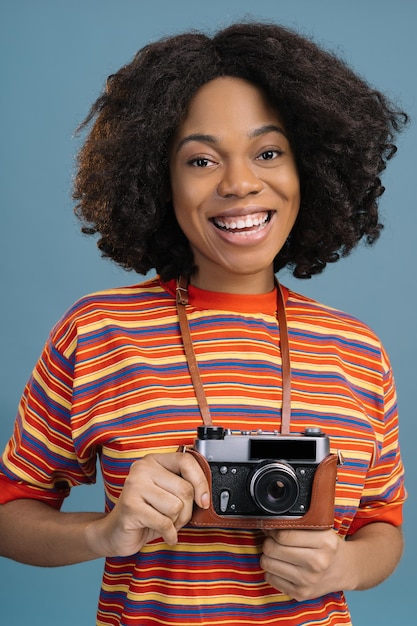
(241, 222)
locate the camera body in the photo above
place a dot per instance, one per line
(261, 474)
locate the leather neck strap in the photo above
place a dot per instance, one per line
(182, 301)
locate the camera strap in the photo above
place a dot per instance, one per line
(182, 301)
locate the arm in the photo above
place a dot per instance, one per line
(34, 533)
(309, 564)
(156, 501)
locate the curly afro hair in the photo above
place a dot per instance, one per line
(341, 131)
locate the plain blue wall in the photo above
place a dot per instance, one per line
(55, 56)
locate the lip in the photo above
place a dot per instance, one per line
(242, 211)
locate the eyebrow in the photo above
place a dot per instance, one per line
(211, 139)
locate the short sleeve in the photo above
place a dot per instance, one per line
(40, 460)
(384, 491)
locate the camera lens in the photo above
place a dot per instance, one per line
(274, 487)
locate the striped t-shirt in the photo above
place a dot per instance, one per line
(113, 384)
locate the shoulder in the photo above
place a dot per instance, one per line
(317, 328)
(118, 306)
(116, 301)
(319, 320)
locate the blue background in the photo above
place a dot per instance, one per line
(55, 56)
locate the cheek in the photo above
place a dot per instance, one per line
(184, 211)
(291, 183)
(186, 199)
(182, 207)
(296, 188)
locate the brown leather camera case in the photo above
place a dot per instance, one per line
(320, 515)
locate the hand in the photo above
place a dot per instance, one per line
(156, 501)
(304, 564)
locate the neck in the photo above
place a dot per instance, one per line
(237, 284)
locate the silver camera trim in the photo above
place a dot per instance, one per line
(235, 446)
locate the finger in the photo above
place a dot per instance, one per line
(300, 589)
(151, 483)
(159, 525)
(288, 578)
(133, 522)
(172, 496)
(295, 555)
(186, 466)
(150, 486)
(287, 588)
(282, 584)
(191, 471)
(312, 560)
(287, 571)
(301, 538)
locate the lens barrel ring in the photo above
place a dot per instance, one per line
(274, 487)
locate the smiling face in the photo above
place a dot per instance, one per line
(234, 185)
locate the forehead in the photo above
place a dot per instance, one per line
(228, 103)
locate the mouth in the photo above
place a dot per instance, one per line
(242, 223)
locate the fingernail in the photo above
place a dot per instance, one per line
(205, 500)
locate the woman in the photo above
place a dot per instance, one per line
(221, 160)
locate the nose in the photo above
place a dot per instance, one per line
(238, 179)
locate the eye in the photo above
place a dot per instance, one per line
(200, 162)
(269, 155)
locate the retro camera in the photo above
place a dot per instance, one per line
(261, 474)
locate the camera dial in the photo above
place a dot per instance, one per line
(313, 431)
(210, 432)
